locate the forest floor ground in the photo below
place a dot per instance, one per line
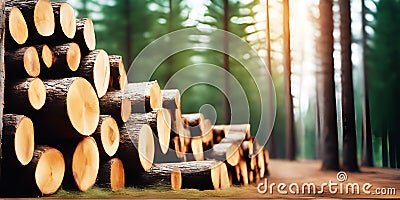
(281, 172)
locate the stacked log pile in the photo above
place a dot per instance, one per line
(72, 120)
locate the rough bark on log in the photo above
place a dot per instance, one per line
(24, 96)
(242, 128)
(145, 96)
(82, 164)
(66, 59)
(22, 63)
(195, 122)
(218, 133)
(42, 176)
(111, 175)
(2, 68)
(160, 122)
(107, 137)
(136, 149)
(229, 152)
(85, 36)
(118, 77)
(171, 99)
(18, 139)
(95, 67)
(115, 104)
(71, 110)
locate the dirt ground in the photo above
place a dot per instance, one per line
(287, 176)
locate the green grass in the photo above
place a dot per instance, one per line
(156, 192)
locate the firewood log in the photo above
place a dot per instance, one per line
(82, 164)
(36, 20)
(65, 22)
(67, 58)
(46, 56)
(160, 122)
(145, 96)
(71, 110)
(114, 103)
(118, 77)
(171, 99)
(111, 175)
(229, 152)
(136, 149)
(107, 137)
(17, 139)
(85, 36)
(42, 176)
(22, 63)
(195, 122)
(24, 96)
(95, 67)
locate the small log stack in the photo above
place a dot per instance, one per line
(73, 120)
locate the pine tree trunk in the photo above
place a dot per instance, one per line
(326, 89)
(348, 115)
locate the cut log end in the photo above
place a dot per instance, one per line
(49, 171)
(164, 129)
(37, 94)
(126, 109)
(17, 26)
(89, 34)
(117, 175)
(225, 182)
(73, 56)
(31, 62)
(24, 141)
(67, 20)
(233, 155)
(44, 18)
(216, 174)
(83, 106)
(47, 56)
(176, 179)
(155, 96)
(101, 74)
(85, 164)
(123, 78)
(197, 148)
(146, 147)
(109, 136)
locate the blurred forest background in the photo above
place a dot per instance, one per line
(311, 56)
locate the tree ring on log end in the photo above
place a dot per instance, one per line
(126, 109)
(44, 18)
(37, 93)
(83, 106)
(24, 141)
(224, 182)
(123, 78)
(101, 73)
(47, 56)
(85, 164)
(216, 174)
(67, 20)
(176, 179)
(197, 148)
(156, 96)
(146, 147)
(89, 34)
(233, 155)
(74, 56)
(17, 26)
(109, 136)
(164, 129)
(49, 171)
(117, 176)
(31, 62)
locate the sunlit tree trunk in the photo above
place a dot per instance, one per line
(367, 159)
(290, 136)
(326, 89)
(271, 140)
(226, 62)
(348, 115)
